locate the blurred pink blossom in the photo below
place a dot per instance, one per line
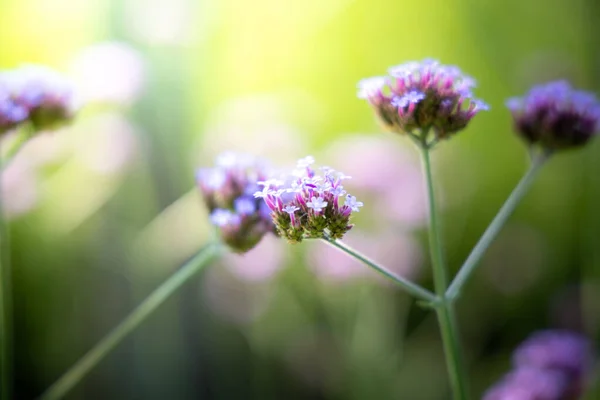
(108, 143)
(109, 72)
(161, 22)
(398, 252)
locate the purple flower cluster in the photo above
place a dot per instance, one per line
(307, 205)
(556, 116)
(36, 94)
(419, 96)
(227, 189)
(549, 365)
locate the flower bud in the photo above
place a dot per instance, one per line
(555, 116)
(241, 219)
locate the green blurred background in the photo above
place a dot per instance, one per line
(101, 213)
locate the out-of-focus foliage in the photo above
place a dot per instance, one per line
(103, 211)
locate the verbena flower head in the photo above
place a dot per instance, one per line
(228, 191)
(36, 94)
(556, 116)
(308, 203)
(417, 96)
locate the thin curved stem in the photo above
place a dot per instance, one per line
(495, 226)
(5, 301)
(93, 357)
(445, 309)
(408, 286)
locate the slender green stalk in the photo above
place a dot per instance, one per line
(444, 310)
(495, 226)
(93, 357)
(5, 302)
(408, 286)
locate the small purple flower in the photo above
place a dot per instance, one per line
(352, 203)
(266, 190)
(305, 162)
(423, 98)
(371, 88)
(317, 204)
(412, 97)
(338, 191)
(555, 116)
(290, 209)
(479, 105)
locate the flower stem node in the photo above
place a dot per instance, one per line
(554, 116)
(241, 219)
(306, 204)
(423, 99)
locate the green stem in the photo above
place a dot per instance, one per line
(494, 228)
(407, 285)
(78, 371)
(5, 301)
(445, 309)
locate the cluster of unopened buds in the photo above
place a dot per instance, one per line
(228, 189)
(306, 205)
(549, 365)
(35, 94)
(419, 98)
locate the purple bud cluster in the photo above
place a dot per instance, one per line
(228, 191)
(417, 96)
(36, 94)
(556, 116)
(549, 365)
(307, 205)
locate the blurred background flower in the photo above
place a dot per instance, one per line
(106, 209)
(109, 72)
